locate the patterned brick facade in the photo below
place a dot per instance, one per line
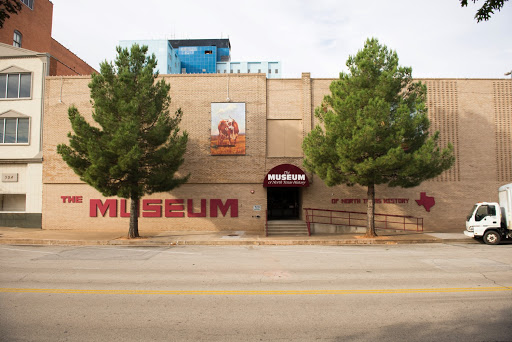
(474, 115)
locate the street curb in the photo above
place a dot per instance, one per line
(150, 243)
(51, 242)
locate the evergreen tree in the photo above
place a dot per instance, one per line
(8, 7)
(374, 128)
(487, 9)
(136, 147)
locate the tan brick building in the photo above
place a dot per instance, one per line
(474, 114)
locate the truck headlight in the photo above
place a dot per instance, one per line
(470, 228)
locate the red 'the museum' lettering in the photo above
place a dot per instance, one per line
(167, 208)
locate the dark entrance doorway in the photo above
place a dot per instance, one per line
(283, 203)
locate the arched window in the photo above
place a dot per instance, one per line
(16, 41)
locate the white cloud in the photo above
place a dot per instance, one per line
(437, 38)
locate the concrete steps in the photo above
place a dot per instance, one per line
(287, 228)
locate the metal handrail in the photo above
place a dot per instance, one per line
(266, 222)
(350, 218)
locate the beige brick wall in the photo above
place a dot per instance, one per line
(470, 114)
(60, 215)
(466, 114)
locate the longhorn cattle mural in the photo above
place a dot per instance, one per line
(228, 129)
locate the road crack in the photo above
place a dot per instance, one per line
(494, 281)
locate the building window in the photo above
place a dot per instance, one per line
(238, 71)
(14, 130)
(14, 86)
(12, 202)
(276, 71)
(269, 71)
(249, 71)
(16, 40)
(259, 71)
(208, 52)
(29, 3)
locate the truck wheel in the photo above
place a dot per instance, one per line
(492, 237)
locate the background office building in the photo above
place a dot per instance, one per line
(201, 56)
(272, 69)
(167, 58)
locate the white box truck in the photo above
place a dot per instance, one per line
(492, 221)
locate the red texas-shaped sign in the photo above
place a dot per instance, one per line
(426, 201)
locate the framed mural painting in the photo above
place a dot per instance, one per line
(228, 129)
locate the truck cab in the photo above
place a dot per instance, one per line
(484, 217)
(492, 221)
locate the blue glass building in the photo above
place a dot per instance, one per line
(200, 56)
(167, 58)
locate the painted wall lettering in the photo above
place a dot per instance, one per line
(190, 209)
(166, 208)
(110, 205)
(152, 208)
(217, 204)
(174, 208)
(123, 210)
(71, 199)
(365, 200)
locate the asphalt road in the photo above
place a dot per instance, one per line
(431, 292)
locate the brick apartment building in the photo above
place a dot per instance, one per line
(234, 192)
(31, 29)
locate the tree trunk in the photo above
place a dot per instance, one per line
(370, 225)
(133, 232)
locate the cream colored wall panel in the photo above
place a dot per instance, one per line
(284, 99)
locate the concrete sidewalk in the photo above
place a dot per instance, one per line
(27, 236)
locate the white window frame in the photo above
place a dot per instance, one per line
(14, 74)
(3, 123)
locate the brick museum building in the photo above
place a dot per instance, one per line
(245, 157)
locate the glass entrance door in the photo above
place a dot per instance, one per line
(283, 203)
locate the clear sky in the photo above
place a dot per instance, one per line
(437, 38)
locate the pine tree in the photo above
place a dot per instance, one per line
(136, 147)
(487, 9)
(8, 7)
(374, 128)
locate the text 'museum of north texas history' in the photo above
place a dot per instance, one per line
(276, 114)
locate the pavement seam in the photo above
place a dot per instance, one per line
(331, 242)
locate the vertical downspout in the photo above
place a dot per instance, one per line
(44, 73)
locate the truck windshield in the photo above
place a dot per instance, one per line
(471, 213)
